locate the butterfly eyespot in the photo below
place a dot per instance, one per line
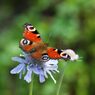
(31, 28)
(25, 42)
(63, 55)
(45, 57)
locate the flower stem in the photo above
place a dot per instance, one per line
(60, 81)
(31, 86)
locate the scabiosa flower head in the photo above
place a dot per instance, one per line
(28, 65)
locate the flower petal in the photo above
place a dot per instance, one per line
(19, 59)
(20, 75)
(17, 69)
(45, 74)
(51, 64)
(41, 78)
(28, 76)
(35, 70)
(51, 76)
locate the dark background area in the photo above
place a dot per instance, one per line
(62, 24)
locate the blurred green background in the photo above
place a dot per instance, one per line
(61, 23)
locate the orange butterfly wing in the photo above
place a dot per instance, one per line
(53, 53)
(31, 33)
(31, 36)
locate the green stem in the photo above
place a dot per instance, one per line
(60, 81)
(31, 86)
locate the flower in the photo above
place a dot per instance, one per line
(28, 65)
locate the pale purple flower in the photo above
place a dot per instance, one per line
(21, 68)
(28, 65)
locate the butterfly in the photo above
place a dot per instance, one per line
(32, 44)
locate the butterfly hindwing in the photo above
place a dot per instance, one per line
(57, 53)
(53, 53)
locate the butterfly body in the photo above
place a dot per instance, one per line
(32, 44)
